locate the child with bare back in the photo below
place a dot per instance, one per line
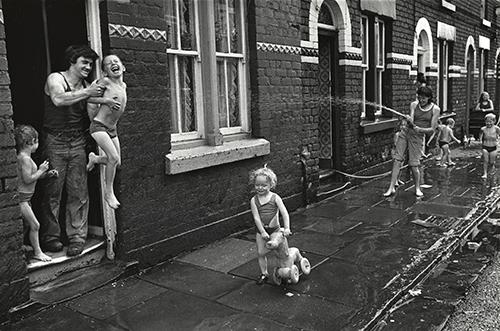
(266, 207)
(103, 125)
(28, 173)
(445, 137)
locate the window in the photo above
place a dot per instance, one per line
(192, 68)
(443, 82)
(483, 9)
(373, 64)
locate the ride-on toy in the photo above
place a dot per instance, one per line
(283, 260)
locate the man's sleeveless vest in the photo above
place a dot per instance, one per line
(71, 119)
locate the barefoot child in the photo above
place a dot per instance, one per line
(445, 136)
(266, 207)
(103, 126)
(488, 137)
(28, 173)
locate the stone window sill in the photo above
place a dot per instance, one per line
(446, 115)
(379, 124)
(184, 160)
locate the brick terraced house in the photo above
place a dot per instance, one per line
(218, 88)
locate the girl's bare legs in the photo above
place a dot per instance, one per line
(396, 167)
(261, 251)
(30, 218)
(486, 157)
(111, 160)
(493, 158)
(416, 177)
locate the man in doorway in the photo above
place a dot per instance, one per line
(65, 126)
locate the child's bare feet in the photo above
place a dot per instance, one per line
(42, 257)
(484, 176)
(111, 200)
(92, 161)
(418, 193)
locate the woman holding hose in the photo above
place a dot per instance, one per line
(423, 119)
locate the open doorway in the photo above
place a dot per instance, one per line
(37, 33)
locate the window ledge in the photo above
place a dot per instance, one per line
(185, 160)
(380, 124)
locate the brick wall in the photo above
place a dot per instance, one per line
(156, 207)
(14, 284)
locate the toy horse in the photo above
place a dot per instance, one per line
(282, 259)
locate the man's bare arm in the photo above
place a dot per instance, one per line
(55, 87)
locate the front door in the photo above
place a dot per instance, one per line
(37, 33)
(328, 118)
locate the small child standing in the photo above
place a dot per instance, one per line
(27, 143)
(445, 136)
(266, 207)
(488, 137)
(103, 125)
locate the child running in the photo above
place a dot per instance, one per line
(445, 136)
(103, 125)
(266, 207)
(27, 143)
(488, 137)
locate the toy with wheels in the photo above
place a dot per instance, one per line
(284, 261)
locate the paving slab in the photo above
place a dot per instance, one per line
(300, 310)
(333, 226)
(345, 283)
(379, 215)
(317, 243)
(115, 297)
(329, 209)
(251, 270)
(223, 255)
(173, 310)
(441, 209)
(192, 279)
(61, 318)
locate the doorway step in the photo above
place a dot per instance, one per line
(330, 183)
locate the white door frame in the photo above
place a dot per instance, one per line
(94, 37)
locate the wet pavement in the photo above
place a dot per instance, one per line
(367, 252)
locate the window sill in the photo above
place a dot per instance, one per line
(380, 124)
(448, 5)
(200, 157)
(486, 23)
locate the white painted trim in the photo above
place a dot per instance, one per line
(94, 35)
(399, 66)
(470, 42)
(431, 74)
(484, 42)
(454, 68)
(399, 56)
(423, 25)
(448, 5)
(413, 72)
(185, 160)
(308, 44)
(309, 59)
(446, 31)
(486, 23)
(354, 63)
(341, 18)
(350, 49)
(454, 75)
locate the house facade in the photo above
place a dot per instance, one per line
(219, 88)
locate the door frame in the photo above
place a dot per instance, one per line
(331, 32)
(469, 57)
(94, 37)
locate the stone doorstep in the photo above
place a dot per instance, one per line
(446, 245)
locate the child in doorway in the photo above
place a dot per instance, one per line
(266, 207)
(27, 172)
(488, 137)
(105, 112)
(484, 103)
(445, 136)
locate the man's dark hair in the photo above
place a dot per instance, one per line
(73, 52)
(426, 92)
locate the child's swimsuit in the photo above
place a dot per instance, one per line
(268, 211)
(491, 138)
(97, 126)
(25, 196)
